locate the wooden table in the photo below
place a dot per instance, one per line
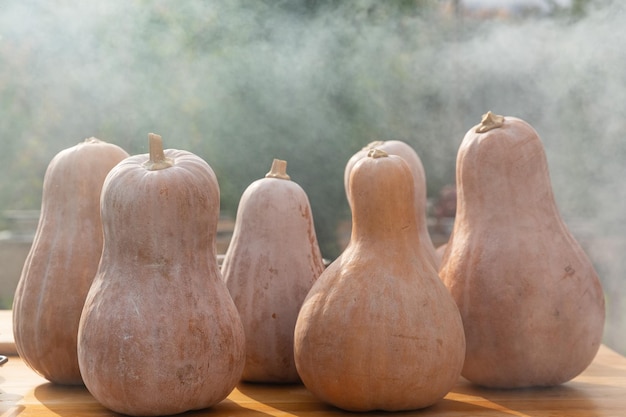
(599, 391)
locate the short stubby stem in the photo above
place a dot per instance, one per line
(278, 170)
(489, 121)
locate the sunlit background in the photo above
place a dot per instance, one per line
(241, 82)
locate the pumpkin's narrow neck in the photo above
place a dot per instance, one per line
(157, 160)
(382, 200)
(278, 170)
(489, 121)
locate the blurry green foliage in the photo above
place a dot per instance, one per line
(241, 82)
(220, 79)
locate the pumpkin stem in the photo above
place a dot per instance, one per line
(92, 140)
(489, 121)
(157, 160)
(377, 153)
(278, 170)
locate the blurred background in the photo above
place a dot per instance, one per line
(241, 82)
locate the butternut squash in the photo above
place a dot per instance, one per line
(404, 150)
(531, 301)
(62, 260)
(159, 333)
(378, 329)
(271, 263)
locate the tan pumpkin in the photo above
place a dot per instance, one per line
(159, 333)
(531, 301)
(271, 263)
(404, 150)
(63, 260)
(379, 330)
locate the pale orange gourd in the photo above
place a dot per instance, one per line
(159, 333)
(63, 260)
(271, 263)
(379, 330)
(531, 301)
(404, 150)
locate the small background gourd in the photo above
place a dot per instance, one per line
(531, 301)
(62, 260)
(404, 150)
(271, 263)
(379, 330)
(159, 333)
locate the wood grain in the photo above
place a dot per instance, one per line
(599, 391)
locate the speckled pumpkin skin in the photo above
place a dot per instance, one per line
(159, 333)
(531, 301)
(63, 260)
(379, 330)
(272, 261)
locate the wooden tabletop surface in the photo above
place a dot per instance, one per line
(599, 391)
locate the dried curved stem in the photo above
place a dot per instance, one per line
(157, 160)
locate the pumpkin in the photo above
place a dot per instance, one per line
(269, 267)
(531, 301)
(404, 150)
(378, 329)
(159, 333)
(62, 260)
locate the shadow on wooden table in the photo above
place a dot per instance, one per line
(54, 398)
(8, 403)
(570, 399)
(295, 399)
(574, 399)
(289, 398)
